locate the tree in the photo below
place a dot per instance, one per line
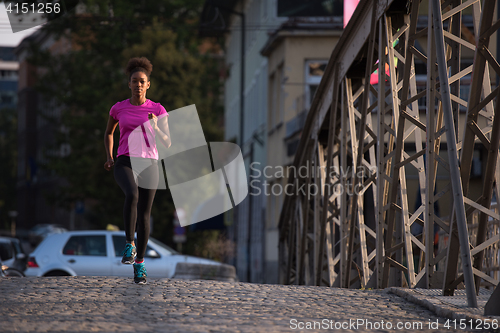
(89, 78)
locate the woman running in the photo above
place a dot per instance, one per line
(137, 115)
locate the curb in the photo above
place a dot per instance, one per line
(439, 307)
(221, 272)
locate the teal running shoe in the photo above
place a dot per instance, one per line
(140, 273)
(129, 254)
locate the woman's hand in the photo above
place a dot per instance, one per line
(153, 121)
(108, 142)
(163, 133)
(109, 164)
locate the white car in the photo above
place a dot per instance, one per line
(99, 253)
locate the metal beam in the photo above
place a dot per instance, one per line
(382, 252)
(452, 156)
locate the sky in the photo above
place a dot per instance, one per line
(7, 37)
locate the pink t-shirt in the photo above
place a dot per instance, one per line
(137, 137)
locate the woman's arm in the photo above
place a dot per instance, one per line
(108, 142)
(160, 126)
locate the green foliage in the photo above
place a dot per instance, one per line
(212, 244)
(86, 80)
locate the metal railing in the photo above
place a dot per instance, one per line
(356, 231)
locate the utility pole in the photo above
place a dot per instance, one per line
(242, 117)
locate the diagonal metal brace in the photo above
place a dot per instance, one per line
(456, 183)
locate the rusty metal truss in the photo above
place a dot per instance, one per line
(386, 115)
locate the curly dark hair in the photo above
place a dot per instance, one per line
(137, 64)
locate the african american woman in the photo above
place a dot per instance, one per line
(137, 114)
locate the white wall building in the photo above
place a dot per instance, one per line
(260, 16)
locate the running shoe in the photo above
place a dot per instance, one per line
(140, 273)
(129, 254)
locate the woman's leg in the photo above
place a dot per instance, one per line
(146, 197)
(144, 205)
(124, 176)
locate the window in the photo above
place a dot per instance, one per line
(276, 102)
(88, 245)
(291, 147)
(272, 102)
(281, 94)
(272, 209)
(295, 124)
(119, 245)
(314, 72)
(7, 98)
(6, 251)
(301, 8)
(464, 94)
(477, 168)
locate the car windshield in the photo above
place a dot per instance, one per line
(165, 247)
(17, 246)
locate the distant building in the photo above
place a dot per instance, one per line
(35, 136)
(9, 75)
(223, 18)
(297, 53)
(287, 45)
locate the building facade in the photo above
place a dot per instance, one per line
(283, 57)
(297, 53)
(249, 219)
(9, 68)
(35, 136)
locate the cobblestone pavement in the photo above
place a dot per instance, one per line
(109, 304)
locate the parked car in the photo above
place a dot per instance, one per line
(12, 254)
(6, 271)
(40, 231)
(99, 253)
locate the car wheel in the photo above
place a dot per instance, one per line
(57, 273)
(13, 272)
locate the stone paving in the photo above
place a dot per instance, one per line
(453, 307)
(106, 304)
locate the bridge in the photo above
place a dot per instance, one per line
(390, 119)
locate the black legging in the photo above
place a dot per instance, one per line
(138, 200)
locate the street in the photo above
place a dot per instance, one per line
(106, 304)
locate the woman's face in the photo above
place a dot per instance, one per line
(139, 84)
